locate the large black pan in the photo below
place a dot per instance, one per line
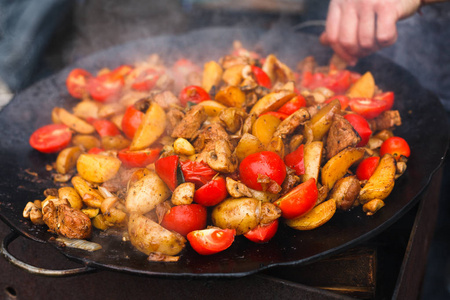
(424, 127)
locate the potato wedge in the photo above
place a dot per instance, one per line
(67, 159)
(318, 216)
(233, 75)
(89, 195)
(231, 96)
(212, 108)
(264, 127)
(321, 122)
(247, 145)
(312, 155)
(272, 102)
(86, 109)
(73, 122)
(97, 168)
(212, 75)
(151, 128)
(382, 181)
(364, 87)
(117, 142)
(71, 195)
(146, 193)
(338, 165)
(242, 214)
(86, 141)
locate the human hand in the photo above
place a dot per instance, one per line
(357, 28)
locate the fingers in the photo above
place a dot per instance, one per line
(386, 29)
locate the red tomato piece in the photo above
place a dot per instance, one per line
(299, 200)
(138, 158)
(211, 241)
(293, 105)
(121, 71)
(166, 168)
(307, 79)
(193, 93)
(145, 80)
(338, 81)
(76, 82)
(361, 126)
(279, 115)
(366, 168)
(105, 87)
(51, 138)
(185, 218)
(197, 172)
(387, 97)
(367, 107)
(344, 100)
(263, 233)
(106, 128)
(95, 150)
(396, 146)
(261, 77)
(211, 193)
(259, 165)
(131, 121)
(295, 160)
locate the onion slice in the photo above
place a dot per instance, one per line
(79, 244)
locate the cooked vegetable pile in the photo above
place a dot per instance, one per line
(172, 153)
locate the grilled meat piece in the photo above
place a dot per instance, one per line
(166, 99)
(340, 136)
(188, 127)
(288, 125)
(67, 221)
(308, 64)
(209, 135)
(386, 120)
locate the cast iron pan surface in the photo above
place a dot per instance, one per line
(424, 127)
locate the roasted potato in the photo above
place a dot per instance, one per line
(151, 128)
(231, 96)
(212, 75)
(312, 154)
(321, 122)
(97, 168)
(382, 181)
(364, 87)
(272, 102)
(318, 216)
(67, 159)
(264, 127)
(247, 145)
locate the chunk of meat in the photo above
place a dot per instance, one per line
(67, 221)
(174, 117)
(166, 99)
(209, 135)
(289, 182)
(386, 120)
(338, 62)
(340, 136)
(288, 125)
(191, 123)
(308, 64)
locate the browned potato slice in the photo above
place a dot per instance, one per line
(148, 236)
(272, 102)
(212, 108)
(116, 142)
(86, 141)
(338, 165)
(242, 214)
(67, 159)
(110, 109)
(99, 222)
(212, 75)
(231, 96)
(312, 154)
(73, 122)
(151, 128)
(321, 122)
(318, 216)
(264, 127)
(247, 145)
(71, 195)
(89, 195)
(233, 75)
(86, 109)
(373, 206)
(382, 181)
(363, 87)
(146, 193)
(97, 168)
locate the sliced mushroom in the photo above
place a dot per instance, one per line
(237, 189)
(222, 159)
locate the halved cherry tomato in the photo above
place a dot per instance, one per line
(51, 138)
(131, 121)
(295, 160)
(166, 168)
(387, 97)
(344, 100)
(105, 87)
(307, 78)
(211, 193)
(367, 107)
(95, 150)
(366, 168)
(299, 200)
(197, 172)
(121, 71)
(145, 80)
(139, 158)
(263, 233)
(361, 126)
(338, 81)
(185, 218)
(106, 128)
(293, 105)
(76, 82)
(193, 93)
(211, 241)
(259, 166)
(261, 77)
(396, 146)
(279, 115)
